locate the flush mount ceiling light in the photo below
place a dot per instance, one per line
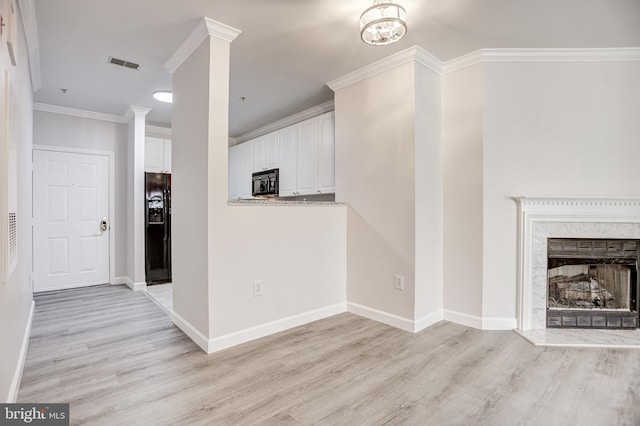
(163, 96)
(383, 23)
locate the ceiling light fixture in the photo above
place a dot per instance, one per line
(163, 96)
(383, 23)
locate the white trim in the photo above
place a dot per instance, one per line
(263, 330)
(412, 54)
(499, 323)
(542, 55)
(463, 319)
(134, 111)
(157, 131)
(28, 15)
(461, 62)
(381, 316)
(112, 191)
(205, 28)
(535, 211)
(285, 122)
(427, 321)
(17, 375)
(192, 332)
(135, 286)
(74, 112)
(129, 283)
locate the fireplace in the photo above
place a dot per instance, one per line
(592, 283)
(599, 220)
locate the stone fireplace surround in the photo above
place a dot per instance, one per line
(541, 218)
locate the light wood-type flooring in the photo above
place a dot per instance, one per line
(117, 359)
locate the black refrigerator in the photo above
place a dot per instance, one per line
(158, 227)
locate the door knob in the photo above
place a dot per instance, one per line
(103, 224)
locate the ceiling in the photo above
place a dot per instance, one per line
(288, 49)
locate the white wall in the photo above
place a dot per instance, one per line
(375, 174)
(85, 133)
(462, 100)
(388, 169)
(16, 294)
(189, 192)
(551, 128)
(429, 196)
(219, 250)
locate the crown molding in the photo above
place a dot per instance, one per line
(285, 122)
(56, 109)
(463, 61)
(206, 28)
(135, 111)
(412, 54)
(616, 54)
(152, 130)
(28, 16)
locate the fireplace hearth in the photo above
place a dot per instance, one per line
(592, 283)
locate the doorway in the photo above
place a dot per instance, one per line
(71, 219)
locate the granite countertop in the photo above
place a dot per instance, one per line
(272, 202)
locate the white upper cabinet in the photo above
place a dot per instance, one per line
(240, 170)
(288, 179)
(266, 152)
(157, 155)
(326, 154)
(307, 160)
(308, 157)
(304, 153)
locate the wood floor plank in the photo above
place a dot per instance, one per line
(117, 359)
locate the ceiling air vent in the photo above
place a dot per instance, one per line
(123, 63)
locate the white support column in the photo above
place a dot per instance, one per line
(137, 119)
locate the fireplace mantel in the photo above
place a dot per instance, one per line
(541, 218)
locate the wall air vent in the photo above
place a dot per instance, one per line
(123, 63)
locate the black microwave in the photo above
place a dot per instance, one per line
(265, 184)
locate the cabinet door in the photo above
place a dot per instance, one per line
(273, 150)
(235, 172)
(288, 161)
(259, 153)
(246, 169)
(154, 155)
(326, 154)
(167, 155)
(308, 157)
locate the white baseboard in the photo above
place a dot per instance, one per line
(499, 323)
(262, 330)
(17, 376)
(482, 323)
(133, 286)
(463, 319)
(427, 321)
(402, 323)
(193, 333)
(381, 316)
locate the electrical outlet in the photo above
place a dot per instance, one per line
(398, 282)
(257, 288)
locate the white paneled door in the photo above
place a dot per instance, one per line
(70, 220)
